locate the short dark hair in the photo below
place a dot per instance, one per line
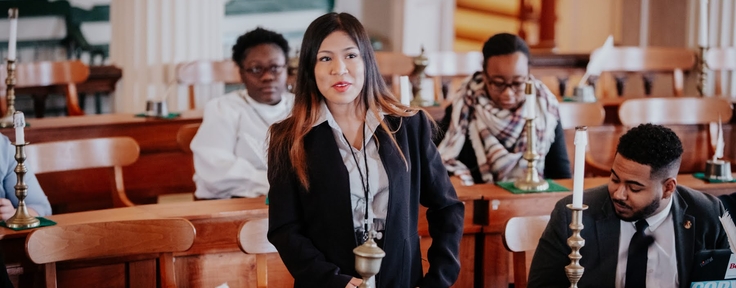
(503, 44)
(257, 37)
(653, 145)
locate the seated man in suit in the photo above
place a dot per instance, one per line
(36, 201)
(642, 230)
(485, 136)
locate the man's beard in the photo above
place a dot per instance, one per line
(641, 214)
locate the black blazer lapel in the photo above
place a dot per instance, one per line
(608, 230)
(324, 155)
(684, 237)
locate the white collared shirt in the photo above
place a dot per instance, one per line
(377, 177)
(230, 146)
(661, 256)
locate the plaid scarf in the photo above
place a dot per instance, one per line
(497, 135)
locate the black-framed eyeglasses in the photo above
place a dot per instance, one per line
(259, 70)
(500, 86)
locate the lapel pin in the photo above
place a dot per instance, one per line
(688, 224)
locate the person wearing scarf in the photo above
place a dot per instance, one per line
(485, 137)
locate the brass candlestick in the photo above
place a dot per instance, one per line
(702, 70)
(22, 219)
(531, 180)
(420, 63)
(368, 260)
(7, 120)
(575, 271)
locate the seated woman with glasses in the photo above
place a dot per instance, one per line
(484, 128)
(230, 145)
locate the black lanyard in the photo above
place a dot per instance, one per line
(363, 180)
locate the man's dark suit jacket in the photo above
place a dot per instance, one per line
(313, 230)
(601, 234)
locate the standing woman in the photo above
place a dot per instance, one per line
(347, 140)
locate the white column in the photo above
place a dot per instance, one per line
(150, 37)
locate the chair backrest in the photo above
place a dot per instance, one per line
(721, 59)
(206, 72)
(252, 240)
(449, 68)
(113, 153)
(574, 114)
(47, 73)
(157, 238)
(184, 136)
(681, 111)
(649, 59)
(521, 235)
(674, 111)
(392, 65)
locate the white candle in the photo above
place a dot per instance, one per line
(405, 90)
(530, 106)
(703, 24)
(13, 15)
(581, 140)
(19, 122)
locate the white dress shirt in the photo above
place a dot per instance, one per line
(377, 177)
(230, 145)
(661, 256)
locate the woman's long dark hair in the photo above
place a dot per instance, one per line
(286, 149)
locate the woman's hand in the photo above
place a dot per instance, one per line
(354, 283)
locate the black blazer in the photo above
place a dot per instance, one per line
(313, 230)
(696, 224)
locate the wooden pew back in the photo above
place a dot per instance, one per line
(252, 240)
(206, 72)
(157, 238)
(112, 153)
(522, 235)
(46, 73)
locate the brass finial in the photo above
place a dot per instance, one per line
(13, 13)
(529, 89)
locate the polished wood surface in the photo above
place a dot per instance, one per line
(252, 240)
(185, 135)
(721, 60)
(521, 236)
(64, 74)
(649, 59)
(162, 168)
(574, 114)
(674, 111)
(156, 237)
(210, 261)
(110, 153)
(206, 72)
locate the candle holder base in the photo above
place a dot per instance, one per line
(718, 170)
(22, 219)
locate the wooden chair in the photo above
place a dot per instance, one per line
(448, 69)
(720, 60)
(624, 60)
(206, 72)
(520, 236)
(150, 239)
(112, 153)
(252, 240)
(680, 111)
(393, 65)
(64, 74)
(184, 136)
(574, 114)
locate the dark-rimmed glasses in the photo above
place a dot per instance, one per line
(500, 86)
(258, 70)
